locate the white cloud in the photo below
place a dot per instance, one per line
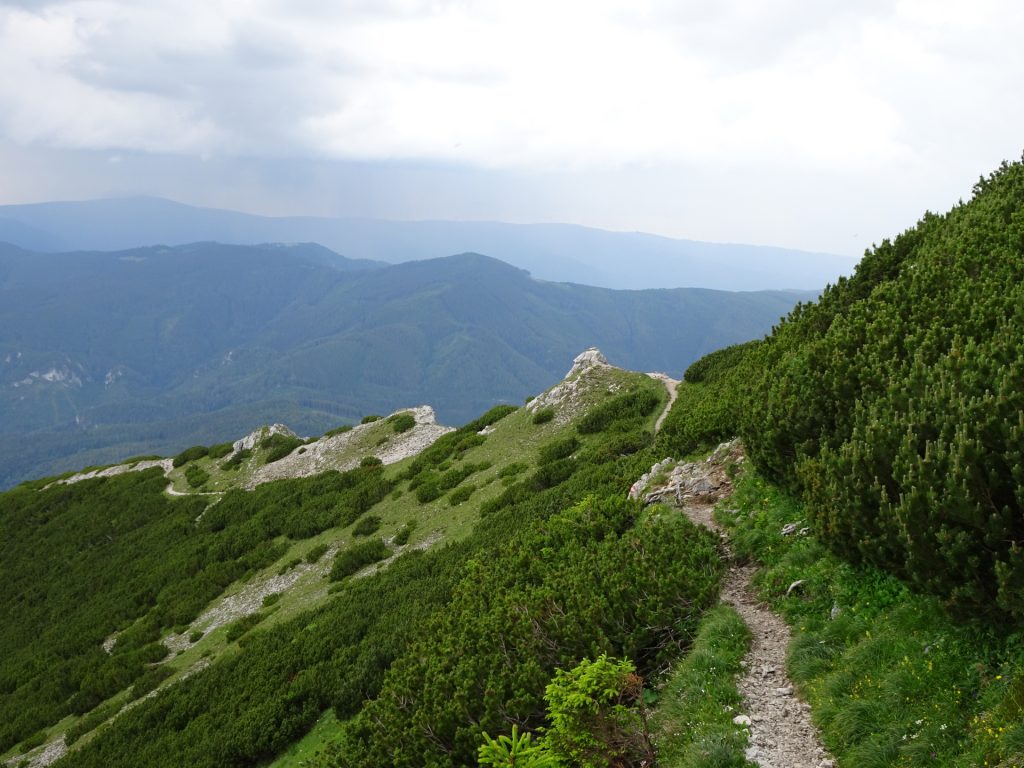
(584, 84)
(892, 98)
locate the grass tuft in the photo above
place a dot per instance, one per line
(692, 723)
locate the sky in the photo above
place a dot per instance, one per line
(811, 124)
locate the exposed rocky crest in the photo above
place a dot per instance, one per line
(119, 469)
(335, 452)
(566, 397)
(700, 481)
(254, 438)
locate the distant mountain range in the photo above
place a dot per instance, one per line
(557, 252)
(110, 354)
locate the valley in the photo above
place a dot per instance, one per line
(208, 340)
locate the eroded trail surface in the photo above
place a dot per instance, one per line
(781, 732)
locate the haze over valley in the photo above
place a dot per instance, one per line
(109, 354)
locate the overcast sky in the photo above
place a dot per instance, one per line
(802, 123)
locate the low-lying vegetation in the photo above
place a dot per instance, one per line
(892, 678)
(692, 725)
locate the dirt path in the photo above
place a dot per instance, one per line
(170, 491)
(672, 386)
(781, 732)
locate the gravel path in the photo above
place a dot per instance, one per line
(672, 386)
(781, 732)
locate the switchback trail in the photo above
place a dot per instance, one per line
(781, 732)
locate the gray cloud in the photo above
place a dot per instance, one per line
(792, 123)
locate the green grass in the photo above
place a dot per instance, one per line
(692, 722)
(309, 748)
(892, 679)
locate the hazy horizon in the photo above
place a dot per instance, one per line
(812, 126)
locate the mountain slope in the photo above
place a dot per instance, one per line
(251, 612)
(104, 355)
(892, 413)
(559, 252)
(894, 403)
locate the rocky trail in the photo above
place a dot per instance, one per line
(781, 734)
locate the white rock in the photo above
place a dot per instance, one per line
(741, 720)
(250, 441)
(586, 359)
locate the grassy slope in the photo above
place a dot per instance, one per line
(515, 439)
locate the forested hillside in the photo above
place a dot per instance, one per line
(107, 355)
(894, 404)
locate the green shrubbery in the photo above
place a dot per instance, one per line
(402, 422)
(196, 476)
(91, 721)
(560, 448)
(239, 627)
(220, 450)
(710, 401)
(236, 460)
(149, 680)
(565, 570)
(543, 416)
(357, 556)
(588, 578)
(618, 412)
(35, 740)
(148, 566)
(367, 525)
(190, 454)
(279, 445)
(895, 404)
(314, 555)
(595, 722)
(402, 537)
(461, 494)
